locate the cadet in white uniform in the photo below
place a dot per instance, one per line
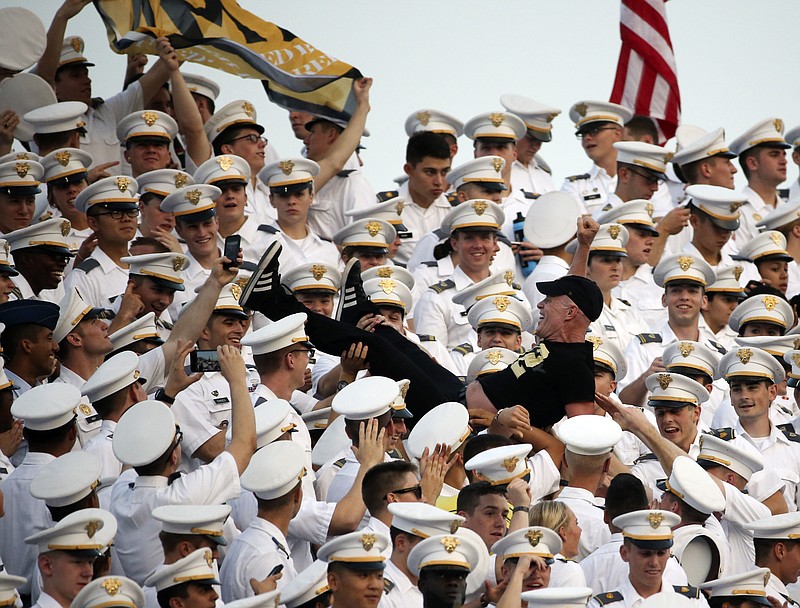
(747, 587)
(193, 575)
(358, 554)
(775, 535)
(785, 219)
(310, 585)
(41, 253)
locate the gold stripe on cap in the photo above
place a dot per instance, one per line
(248, 121)
(152, 190)
(62, 175)
(749, 374)
(497, 134)
(302, 339)
(773, 252)
(291, 182)
(765, 319)
(699, 368)
(767, 140)
(617, 249)
(610, 363)
(389, 302)
(749, 592)
(119, 602)
(77, 319)
(539, 129)
(654, 397)
(500, 482)
(195, 210)
(717, 151)
(11, 601)
(226, 178)
(419, 532)
(648, 166)
(724, 289)
(380, 244)
(510, 292)
(75, 547)
(206, 532)
(475, 225)
(466, 434)
(51, 243)
(718, 216)
(18, 184)
(320, 286)
(143, 336)
(445, 562)
(97, 201)
(520, 554)
(366, 560)
(792, 536)
(686, 277)
(480, 180)
(148, 134)
(503, 321)
(673, 490)
(600, 117)
(288, 427)
(714, 459)
(321, 590)
(486, 371)
(196, 577)
(166, 277)
(638, 537)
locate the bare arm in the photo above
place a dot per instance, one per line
(243, 417)
(48, 63)
(587, 229)
(776, 503)
(670, 224)
(636, 392)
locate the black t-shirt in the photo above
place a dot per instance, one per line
(544, 380)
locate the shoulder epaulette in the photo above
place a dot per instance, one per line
(575, 178)
(624, 301)
(564, 560)
(89, 264)
(788, 431)
(345, 173)
(726, 433)
(339, 463)
(426, 338)
(463, 349)
(387, 585)
(443, 285)
(386, 195)
(687, 590)
(606, 207)
(645, 458)
(608, 598)
(268, 229)
(718, 347)
(430, 264)
(649, 338)
(452, 198)
(97, 102)
(530, 195)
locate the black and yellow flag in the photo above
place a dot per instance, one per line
(222, 35)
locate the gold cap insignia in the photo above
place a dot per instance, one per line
(248, 109)
(796, 358)
(551, 116)
(735, 206)
(668, 156)
(181, 179)
(494, 356)
(111, 585)
(136, 374)
(404, 390)
(509, 464)
(664, 380)
(286, 166)
(613, 231)
(766, 578)
(399, 207)
(193, 196)
(92, 527)
(23, 156)
(737, 272)
(497, 118)
(22, 169)
(685, 262)
(368, 541)
(373, 228)
(595, 340)
(317, 270)
(778, 124)
(387, 285)
(497, 164)
(757, 217)
(62, 157)
(236, 291)
(744, 355)
(224, 162)
(501, 303)
(534, 536)
(85, 409)
(65, 227)
(581, 109)
(77, 44)
(508, 275)
(480, 207)
(454, 526)
(177, 262)
(122, 183)
(424, 118)
(685, 348)
(770, 302)
(150, 118)
(450, 543)
(776, 238)
(6, 247)
(655, 520)
(385, 272)
(209, 558)
(650, 209)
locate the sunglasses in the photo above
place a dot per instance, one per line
(417, 490)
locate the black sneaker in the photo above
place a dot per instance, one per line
(353, 302)
(265, 282)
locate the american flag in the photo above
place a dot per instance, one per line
(647, 79)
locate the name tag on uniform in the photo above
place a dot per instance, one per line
(405, 235)
(221, 400)
(91, 419)
(609, 328)
(591, 197)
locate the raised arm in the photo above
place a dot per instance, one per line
(48, 63)
(587, 229)
(243, 418)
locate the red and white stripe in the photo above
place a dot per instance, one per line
(647, 79)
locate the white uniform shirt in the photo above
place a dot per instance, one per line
(549, 268)
(641, 292)
(590, 518)
(754, 210)
(531, 177)
(566, 573)
(46, 601)
(618, 323)
(100, 283)
(101, 140)
(740, 510)
(340, 194)
(419, 221)
(632, 599)
(88, 419)
(100, 445)
(437, 315)
(310, 249)
(193, 277)
(258, 206)
(254, 241)
(794, 279)
(398, 590)
(591, 189)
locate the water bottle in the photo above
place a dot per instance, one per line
(519, 236)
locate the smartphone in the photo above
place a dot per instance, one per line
(232, 246)
(275, 570)
(204, 361)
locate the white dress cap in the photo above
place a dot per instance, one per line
(792, 358)
(689, 482)
(389, 211)
(766, 246)
(146, 126)
(434, 121)
(289, 174)
(22, 93)
(717, 451)
(649, 529)
(357, 550)
(163, 181)
(388, 292)
(768, 132)
(201, 85)
(552, 220)
(202, 520)
(47, 406)
(310, 583)
(783, 215)
(785, 526)
(444, 550)
(227, 301)
(750, 585)
(683, 268)
(668, 389)
(497, 284)
(687, 357)
(587, 112)
(369, 232)
(720, 204)
(197, 567)
(607, 354)
(18, 155)
(589, 435)
(67, 479)
(143, 328)
(21, 177)
(751, 362)
(777, 346)
(314, 276)
(58, 117)
(78, 531)
(489, 361)
(501, 465)
(240, 113)
(447, 423)
(8, 588)
(49, 234)
(636, 213)
(270, 599)
(119, 192)
(500, 310)
(110, 592)
(366, 398)
(273, 419)
(288, 331)
(727, 281)
(192, 203)
(485, 170)
(116, 373)
(537, 116)
(24, 39)
(610, 240)
(74, 309)
(66, 165)
(275, 469)
(792, 136)
(317, 420)
(144, 433)
(474, 215)
(423, 519)
(72, 52)
(223, 168)
(762, 309)
(331, 443)
(495, 125)
(696, 144)
(398, 273)
(647, 156)
(534, 540)
(559, 597)
(162, 268)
